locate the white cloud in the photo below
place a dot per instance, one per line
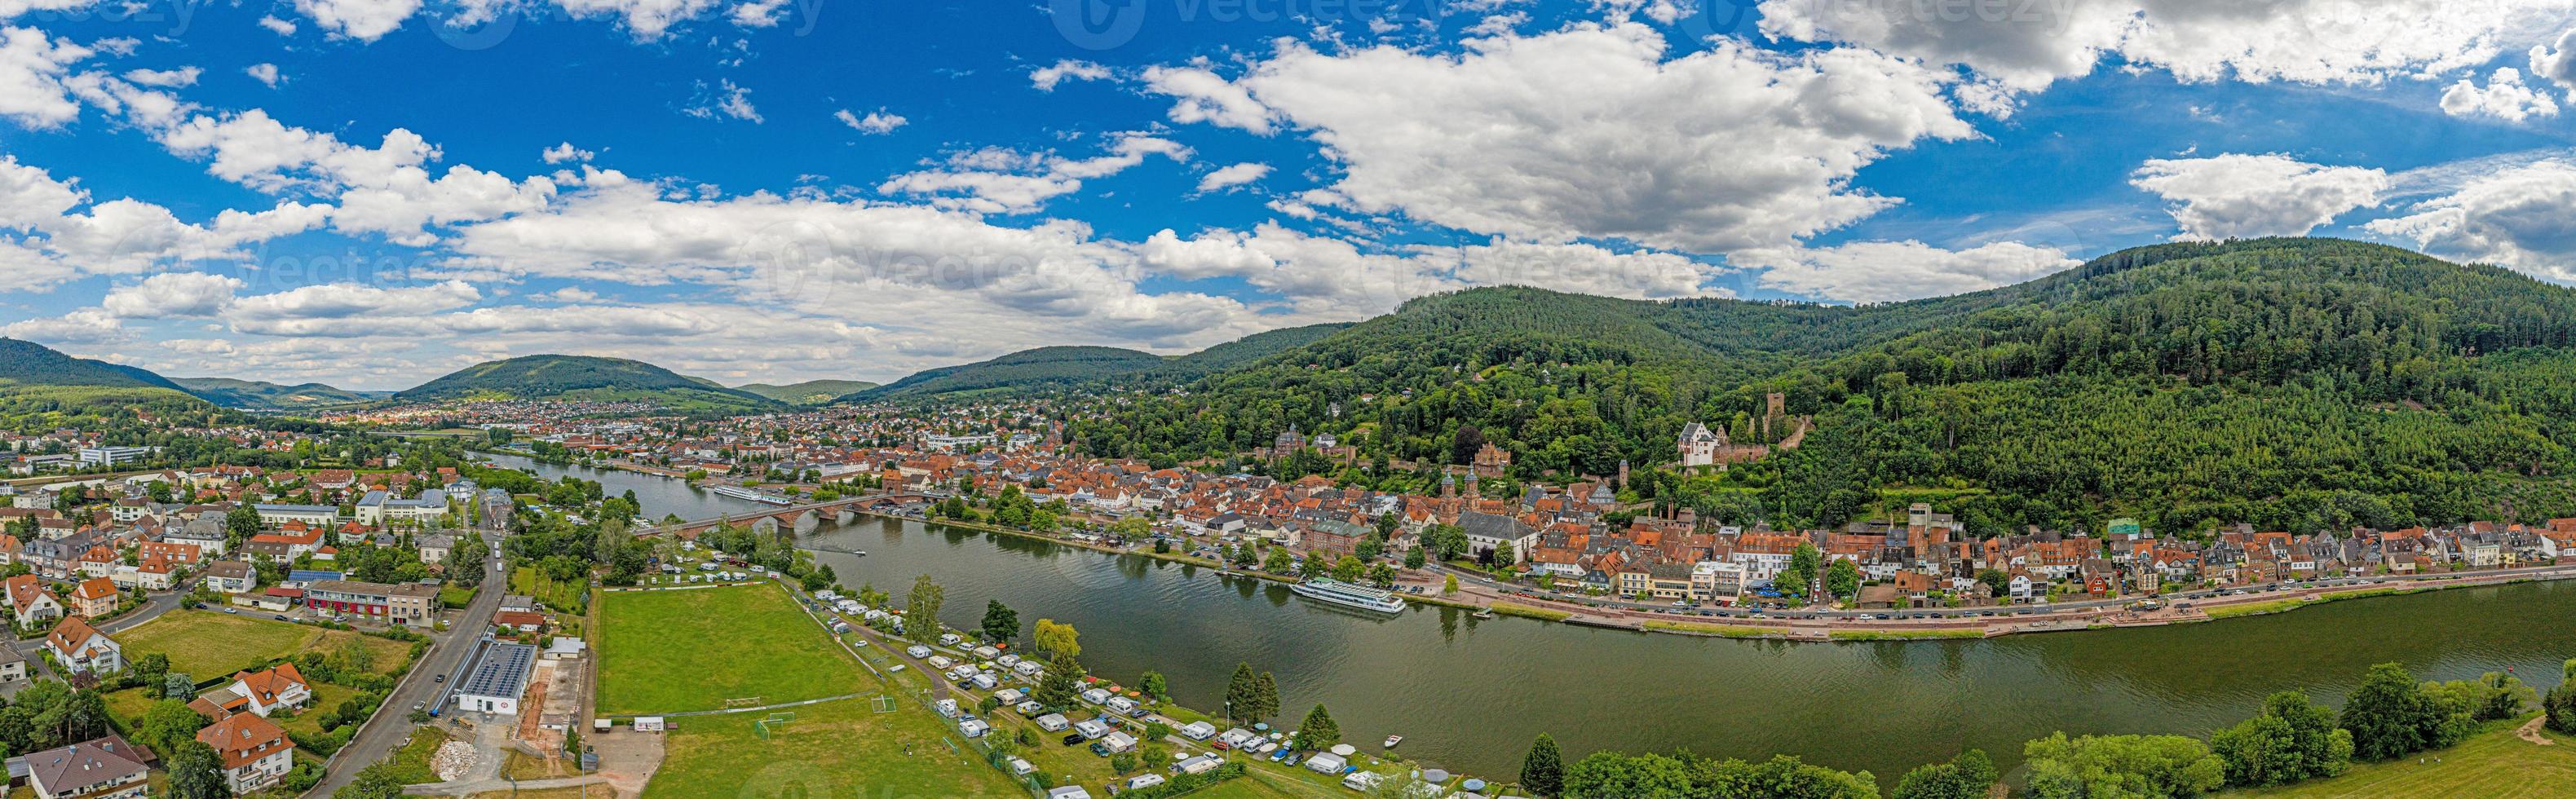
(1887, 271)
(84, 326)
(2243, 196)
(164, 78)
(2556, 65)
(731, 100)
(364, 20)
(1204, 97)
(875, 123)
(172, 294)
(647, 19)
(116, 236)
(2505, 97)
(1330, 278)
(264, 73)
(343, 309)
(1594, 133)
(31, 77)
(277, 26)
(759, 13)
(2025, 46)
(2516, 217)
(566, 152)
(1006, 181)
(1235, 175)
(1046, 77)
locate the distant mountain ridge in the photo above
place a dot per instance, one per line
(810, 392)
(31, 364)
(263, 395)
(1056, 367)
(586, 378)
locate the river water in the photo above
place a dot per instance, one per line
(1468, 694)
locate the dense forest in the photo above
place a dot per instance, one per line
(2291, 383)
(576, 377)
(1089, 367)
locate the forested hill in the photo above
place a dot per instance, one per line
(41, 388)
(26, 363)
(1044, 366)
(259, 395)
(810, 392)
(1054, 368)
(574, 377)
(2290, 383)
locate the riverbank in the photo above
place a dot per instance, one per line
(1934, 624)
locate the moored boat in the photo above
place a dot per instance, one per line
(1357, 596)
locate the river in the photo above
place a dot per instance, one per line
(1468, 694)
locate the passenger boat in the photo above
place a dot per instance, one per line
(1357, 596)
(739, 492)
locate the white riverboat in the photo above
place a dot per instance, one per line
(1358, 596)
(739, 492)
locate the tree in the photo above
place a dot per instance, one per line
(1449, 584)
(378, 780)
(177, 685)
(1279, 561)
(241, 523)
(921, 610)
(167, 724)
(2143, 766)
(1241, 698)
(1842, 579)
(1001, 623)
(1997, 583)
(2493, 695)
(2561, 704)
(1968, 776)
(2292, 740)
(1413, 558)
(1062, 683)
(196, 772)
(1154, 686)
(149, 669)
(1464, 444)
(1318, 730)
(2390, 716)
(1058, 638)
(1543, 769)
(1348, 569)
(1265, 692)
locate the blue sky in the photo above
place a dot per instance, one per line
(374, 192)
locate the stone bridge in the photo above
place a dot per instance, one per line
(801, 519)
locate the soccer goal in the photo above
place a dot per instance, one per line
(881, 703)
(748, 701)
(777, 722)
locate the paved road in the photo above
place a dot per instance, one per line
(390, 726)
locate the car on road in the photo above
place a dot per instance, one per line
(282, 617)
(438, 678)
(234, 611)
(420, 705)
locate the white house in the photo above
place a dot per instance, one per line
(82, 648)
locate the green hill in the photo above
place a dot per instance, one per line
(584, 378)
(1244, 350)
(1044, 366)
(2291, 383)
(810, 392)
(39, 381)
(260, 395)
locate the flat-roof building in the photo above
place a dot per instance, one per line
(497, 679)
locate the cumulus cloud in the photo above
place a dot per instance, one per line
(1234, 175)
(164, 78)
(647, 19)
(84, 326)
(1046, 77)
(759, 13)
(277, 26)
(1331, 278)
(566, 152)
(1887, 271)
(2556, 64)
(2026, 46)
(32, 68)
(364, 20)
(2242, 196)
(344, 309)
(264, 73)
(993, 180)
(58, 239)
(875, 123)
(2505, 97)
(2515, 217)
(1592, 132)
(172, 294)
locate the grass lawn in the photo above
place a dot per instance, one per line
(326, 697)
(209, 644)
(129, 705)
(1903, 635)
(562, 596)
(411, 762)
(1726, 630)
(831, 749)
(1525, 611)
(2490, 765)
(674, 651)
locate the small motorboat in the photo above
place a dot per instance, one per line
(1392, 740)
(1482, 614)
